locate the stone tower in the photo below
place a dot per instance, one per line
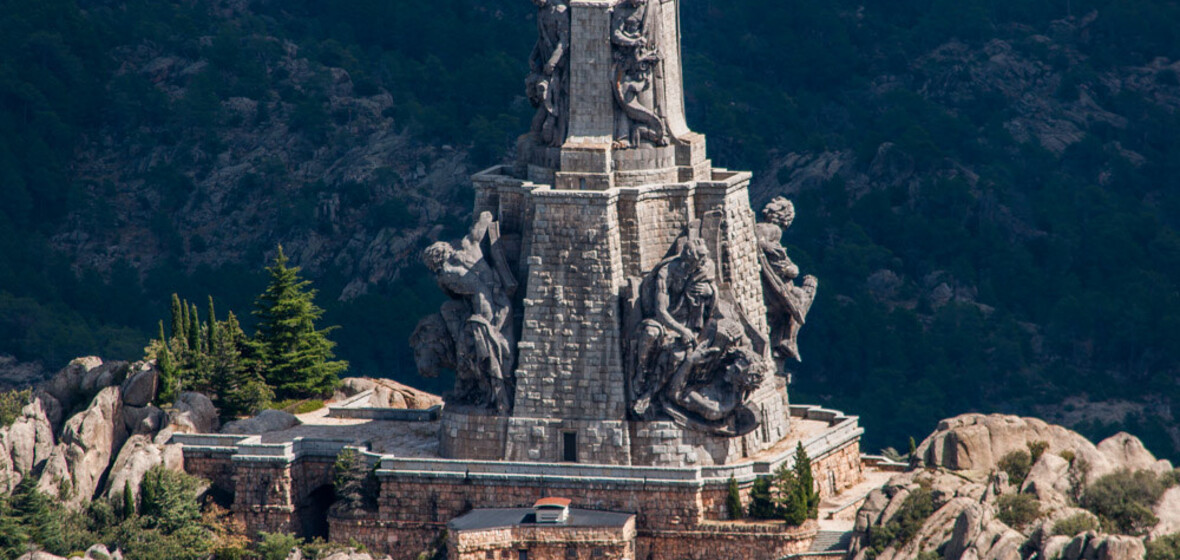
(616, 301)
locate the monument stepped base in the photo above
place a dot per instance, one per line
(680, 511)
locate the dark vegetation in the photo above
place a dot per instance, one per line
(165, 522)
(1123, 500)
(1073, 257)
(917, 507)
(288, 356)
(789, 494)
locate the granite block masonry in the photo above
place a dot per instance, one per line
(616, 301)
(620, 326)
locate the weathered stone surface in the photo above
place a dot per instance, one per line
(30, 438)
(144, 419)
(977, 442)
(140, 386)
(266, 421)
(386, 393)
(193, 413)
(1168, 512)
(138, 455)
(1125, 451)
(88, 442)
(39, 555)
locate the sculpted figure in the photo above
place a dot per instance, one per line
(689, 355)
(786, 302)
(636, 61)
(472, 333)
(546, 84)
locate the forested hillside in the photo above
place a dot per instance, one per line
(987, 190)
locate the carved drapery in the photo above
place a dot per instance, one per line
(547, 84)
(636, 55)
(787, 304)
(691, 354)
(472, 333)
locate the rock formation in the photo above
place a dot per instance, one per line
(115, 437)
(386, 393)
(964, 486)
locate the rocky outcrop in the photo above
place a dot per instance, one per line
(193, 413)
(116, 437)
(978, 441)
(88, 443)
(139, 455)
(140, 386)
(964, 490)
(265, 422)
(79, 381)
(386, 393)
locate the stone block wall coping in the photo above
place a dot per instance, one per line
(253, 450)
(723, 181)
(209, 443)
(842, 429)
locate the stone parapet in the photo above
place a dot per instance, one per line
(727, 540)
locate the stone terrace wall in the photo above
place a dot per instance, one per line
(727, 541)
(555, 542)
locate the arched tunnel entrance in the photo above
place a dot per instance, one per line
(313, 512)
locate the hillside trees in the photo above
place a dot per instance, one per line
(287, 355)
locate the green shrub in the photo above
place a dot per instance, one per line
(761, 504)
(11, 403)
(1018, 510)
(899, 531)
(1016, 464)
(297, 406)
(1166, 547)
(1036, 449)
(168, 499)
(276, 546)
(1075, 525)
(310, 405)
(1123, 501)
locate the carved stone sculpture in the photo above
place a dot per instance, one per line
(547, 83)
(636, 63)
(787, 303)
(472, 333)
(691, 354)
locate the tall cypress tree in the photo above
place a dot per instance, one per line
(298, 357)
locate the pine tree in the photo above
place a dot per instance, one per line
(297, 357)
(238, 387)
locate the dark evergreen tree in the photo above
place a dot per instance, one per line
(807, 494)
(762, 505)
(298, 357)
(238, 387)
(733, 499)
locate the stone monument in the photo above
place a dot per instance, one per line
(616, 301)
